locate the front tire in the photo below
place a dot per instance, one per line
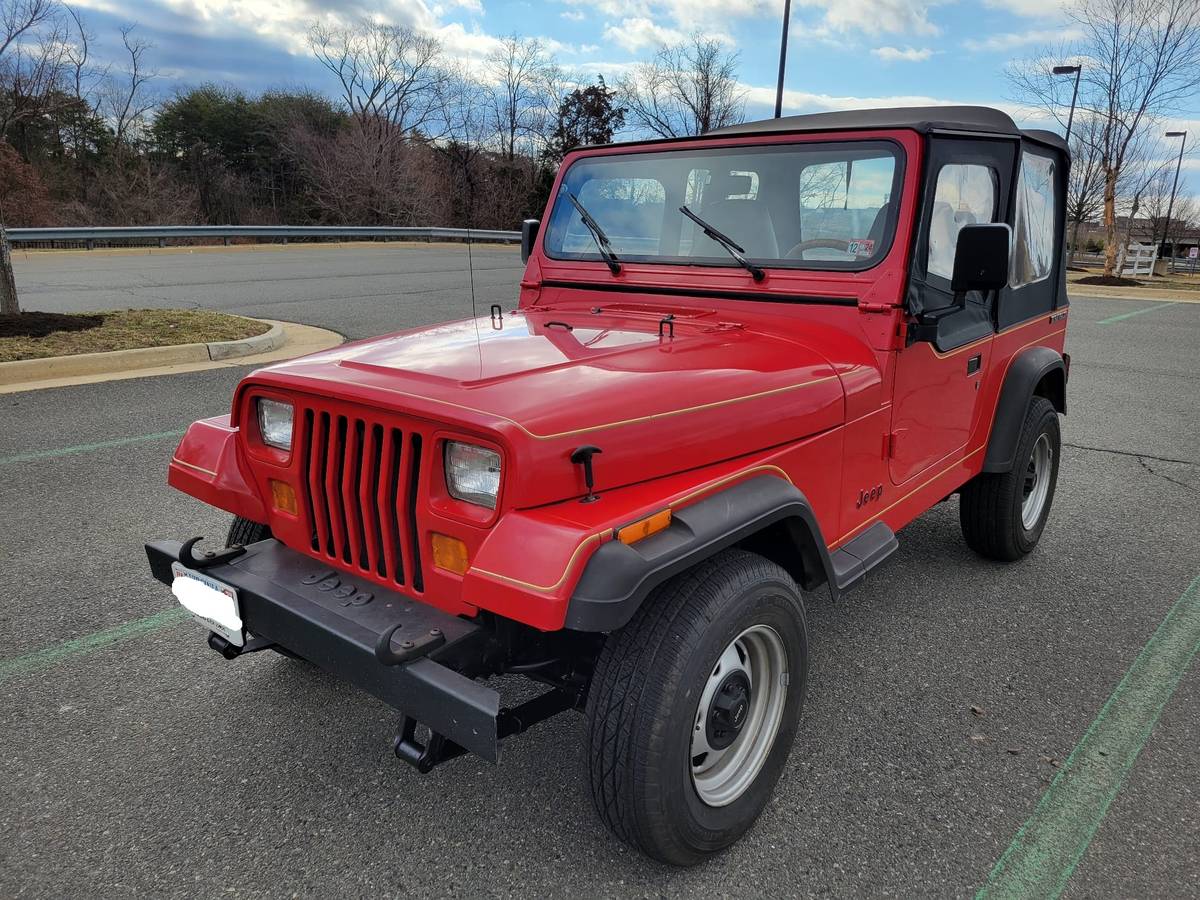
(1003, 514)
(244, 532)
(694, 706)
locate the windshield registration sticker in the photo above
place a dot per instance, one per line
(861, 247)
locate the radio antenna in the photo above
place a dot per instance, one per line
(470, 255)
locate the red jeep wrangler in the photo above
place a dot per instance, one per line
(739, 364)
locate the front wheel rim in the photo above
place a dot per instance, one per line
(745, 694)
(1036, 487)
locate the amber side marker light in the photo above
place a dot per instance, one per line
(283, 497)
(450, 553)
(643, 528)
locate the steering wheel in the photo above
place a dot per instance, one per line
(797, 252)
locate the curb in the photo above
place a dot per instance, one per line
(87, 364)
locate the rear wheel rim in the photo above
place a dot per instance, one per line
(1036, 487)
(738, 716)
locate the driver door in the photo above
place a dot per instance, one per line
(935, 405)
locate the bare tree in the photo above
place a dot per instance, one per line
(32, 40)
(524, 91)
(1158, 201)
(391, 76)
(1141, 61)
(125, 100)
(686, 89)
(1085, 188)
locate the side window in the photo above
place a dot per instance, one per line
(1033, 221)
(965, 195)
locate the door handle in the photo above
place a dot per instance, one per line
(974, 363)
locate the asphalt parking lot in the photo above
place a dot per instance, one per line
(134, 761)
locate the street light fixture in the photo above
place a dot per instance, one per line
(787, 15)
(1070, 70)
(1175, 185)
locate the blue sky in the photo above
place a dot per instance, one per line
(842, 52)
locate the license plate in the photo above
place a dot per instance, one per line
(211, 603)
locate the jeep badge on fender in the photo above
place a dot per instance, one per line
(713, 338)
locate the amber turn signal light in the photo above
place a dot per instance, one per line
(643, 528)
(450, 553)
(283, 497)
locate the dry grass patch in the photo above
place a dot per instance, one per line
(37, 335)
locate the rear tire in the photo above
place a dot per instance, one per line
(1003, 513)
(694, 706)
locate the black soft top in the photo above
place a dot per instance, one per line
(924, 119)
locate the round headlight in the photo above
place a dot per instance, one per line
(472, 473)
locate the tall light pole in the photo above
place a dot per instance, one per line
(787, 15)
(1070, 70)
(1171, 202)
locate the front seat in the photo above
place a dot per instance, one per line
(744, 220)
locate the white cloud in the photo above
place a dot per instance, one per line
(640, 33)
(877, 16)
(573, 15)
(1000, 43)
(908, 54)
(1034, 9)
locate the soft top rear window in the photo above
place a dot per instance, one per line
(825, 206)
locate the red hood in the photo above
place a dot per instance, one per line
(543, 382)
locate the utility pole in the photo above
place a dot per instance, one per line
(1174, 186)
(1076, 71)
(787, 15)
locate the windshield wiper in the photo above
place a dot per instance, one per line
(731, 248)
(602, 242)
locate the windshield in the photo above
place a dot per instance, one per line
(814, 206)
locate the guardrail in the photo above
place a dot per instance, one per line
(89, 237)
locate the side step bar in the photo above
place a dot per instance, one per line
(856, 557)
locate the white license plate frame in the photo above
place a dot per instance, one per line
(216, 620)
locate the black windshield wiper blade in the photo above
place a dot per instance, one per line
(731, 248)
(602, 242)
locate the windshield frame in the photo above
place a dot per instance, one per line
(891, 226)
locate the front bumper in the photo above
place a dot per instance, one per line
(294, 601)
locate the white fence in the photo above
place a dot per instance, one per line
(1139, 259)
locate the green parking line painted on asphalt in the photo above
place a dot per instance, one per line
(1047, 848)
(48, 656)
(1137, 312)
(31, 455)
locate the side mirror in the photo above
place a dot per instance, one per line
(981, 258)
(529, 233)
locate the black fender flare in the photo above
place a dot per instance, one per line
(1022, 378)
(618, 577)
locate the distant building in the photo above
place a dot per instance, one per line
(1092, 233)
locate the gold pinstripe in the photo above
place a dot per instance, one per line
(601, 534)
(603, 426)
(187, 465)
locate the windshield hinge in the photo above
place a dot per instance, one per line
(874, 307)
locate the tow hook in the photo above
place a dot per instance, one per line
(230, 650)
(208, 557)
(439, 749)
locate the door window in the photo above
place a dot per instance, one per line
(1033, 221)
(965, 195)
